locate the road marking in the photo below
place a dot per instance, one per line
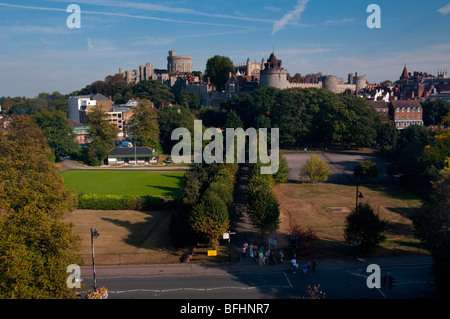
(289, 282)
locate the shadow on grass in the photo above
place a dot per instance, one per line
(151, 234)
(167, 191)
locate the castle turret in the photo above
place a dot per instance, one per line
(330, 83)
(273, 74)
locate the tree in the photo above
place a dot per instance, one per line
(409, 161)
(315, 170)
(434, 111)
(58, 131)
(262, 204)
(363, 121)
(36, 244)
(170, 118)
(210, 218)
(365, 170)
(233, 120)
(432, 225)
(154, 91)
(366, 226)
(281, 176)
(218, 69)
(143, 125)
(306, 239)
(188, 99)
(102, 135)
(387, 135)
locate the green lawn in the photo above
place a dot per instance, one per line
(121, 182)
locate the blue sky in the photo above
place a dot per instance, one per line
(39, 53)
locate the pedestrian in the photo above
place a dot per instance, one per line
(261, 258)
(251, 253)
(294, 265)
(266, 257)
(281, 256)
(255, 252)
(271, 258)
(246, 249)
(243, 251)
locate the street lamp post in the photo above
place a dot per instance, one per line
(95, 234)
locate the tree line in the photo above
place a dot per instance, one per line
(207, 199)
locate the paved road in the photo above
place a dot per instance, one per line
(339, 279)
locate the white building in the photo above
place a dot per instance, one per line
(77, 104)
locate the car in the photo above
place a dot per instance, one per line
(168, 160)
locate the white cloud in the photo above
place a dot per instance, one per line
(291, 16)
(444, 10)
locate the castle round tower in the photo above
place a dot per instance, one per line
(361, 83)
(330, 83)
(273, 74)
(179, 63)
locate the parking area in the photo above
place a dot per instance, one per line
(341, 166)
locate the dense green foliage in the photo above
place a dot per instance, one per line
(58, 132)
(170, 118)
(144, 126)
(124, 202)
(364, 226)
(218, 69)
(36, 245)
(154, 91)
(434, 111)
(102, 135)
(207, 201)
(309, 116)
(418, 158)
(432, 225)
(366, 169)
(262, 204)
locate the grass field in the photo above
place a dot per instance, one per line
(323, 207)
(125, 182)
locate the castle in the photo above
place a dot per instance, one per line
(272, 74)
(175, 65)
(249, 76)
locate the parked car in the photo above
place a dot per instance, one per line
(168, 160)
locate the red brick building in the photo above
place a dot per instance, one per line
(406, 112)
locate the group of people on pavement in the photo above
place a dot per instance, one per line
(309, 265)
(261, 255)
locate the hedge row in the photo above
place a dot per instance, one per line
(123, 202)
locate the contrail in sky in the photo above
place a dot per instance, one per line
(122, 15)
(291, 15)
